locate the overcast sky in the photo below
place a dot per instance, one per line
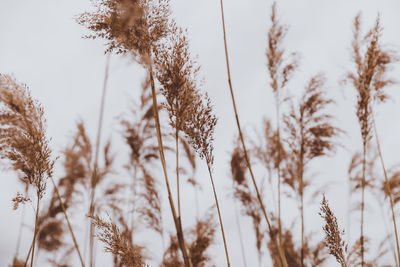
(42, 46)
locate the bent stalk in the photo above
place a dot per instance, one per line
(219, 216)
(388, 189)
(177, 223)
(278, 246)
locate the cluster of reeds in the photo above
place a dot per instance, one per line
(175, 118)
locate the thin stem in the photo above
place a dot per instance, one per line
(387, 188)
(279, 248)
(21, 226)
(301, 174)
(219, 215)
(178, 226)
(28, 255)
(302, 228)
(132, 211)
(240, 238)
(278, 167)
(36, 228)
(68, 223)
(96, 156)
(177, 170)
(363, 202)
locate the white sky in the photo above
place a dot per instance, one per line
(41, 45)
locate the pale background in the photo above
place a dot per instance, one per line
(41, 45)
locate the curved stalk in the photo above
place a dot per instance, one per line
(278, 246)
(363, 202)
(240, 237)
(36, 228)
(178, 226)
(95, 167)
(388, 189)
(219, 216)
(177, 170)
(68, 223)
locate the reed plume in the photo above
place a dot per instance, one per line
(333, 235)
(176, 71)
(314, 254)
(310, 134)
(135, 27)
(23, 140)
(282, 256)
(243, 193)
(139, 134)
(280, 68)
(199, 130)
(201, 236)
(117, 244)
(369, 81)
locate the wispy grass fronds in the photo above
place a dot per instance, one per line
(280, 67)
(333, 235)
(281, 254)
(23, 140)
(177, 73)
(135, 27)
(356, 170)
(19, 199)
(394, 185)
(139, 134)
(243, 193)
(369, 79)
(201, 237)
(115, 243)
(129, 26)
(310, 134)
(150, 209)
(50, 234)
(314, 254)
(199, 130)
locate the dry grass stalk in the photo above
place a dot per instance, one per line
(23, 140)
(117, 244)
(310, 135)
(387, 190)
(199, 130)
(244, 195)
(314, 255)
(281, 254)
(333, 235)
(94, 178)
(135, 27)
(202, 237)
(280, 70)
(78, 168)
(369, 80)
(139, 134)
(176, 72)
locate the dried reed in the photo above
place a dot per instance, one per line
(202, 237)
(176, 72)
(94, 178)
(23, 140)
(310, 135)
(135, 27)
(281, 254)
(333, 235)
(369, 80)
(199, 130)
(117, 244)
(280, 69)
